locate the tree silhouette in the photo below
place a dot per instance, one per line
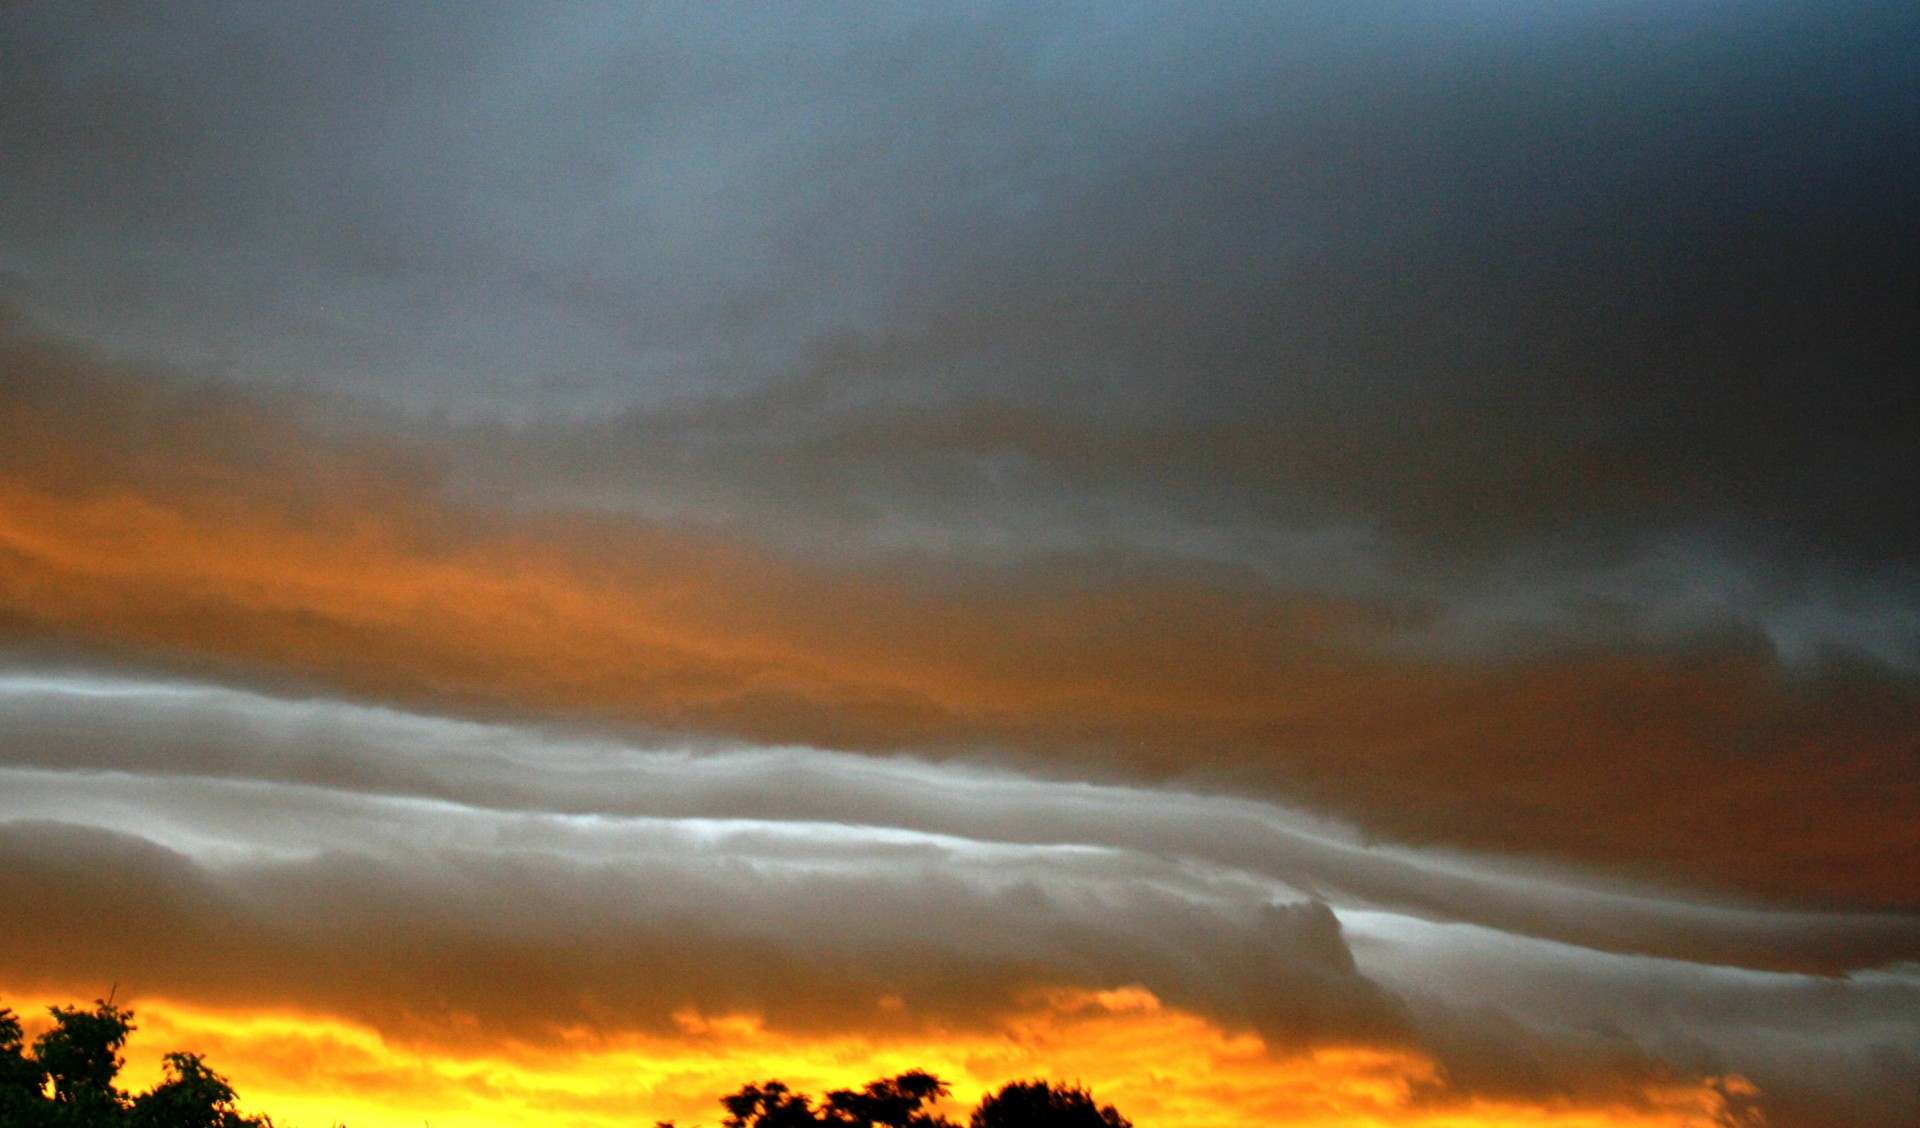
(899, 1102)
(21, 1079)
(891, 1103)
(894, 1102)
(771, 1105)
(67, 1079)
(1042, 1104)
(80, 1057)
(192, 1096)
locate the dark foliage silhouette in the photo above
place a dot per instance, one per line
(21, 1078)
(771, 1105)
(192, 1096)
(895, 1102)
(1042, 1104)
(66, 1079)
(900, 1102)
(80, 1057)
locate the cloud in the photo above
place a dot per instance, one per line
(1476, 281)
(238, 882)
(394, 869)
(1583, 324)
(228, 759)
(227, 536)
(1506, 1012)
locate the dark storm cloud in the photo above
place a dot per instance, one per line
(600, 205)
(1566, 302)
(1327, 291)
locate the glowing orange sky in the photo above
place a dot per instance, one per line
(1163, 1067)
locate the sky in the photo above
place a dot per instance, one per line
(1330, 564)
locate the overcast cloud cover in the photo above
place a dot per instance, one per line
(1382, 523)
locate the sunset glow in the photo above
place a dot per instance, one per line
(1170, 1067)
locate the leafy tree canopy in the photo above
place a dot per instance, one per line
(900, 1102)
(1042, 1104)
(66, 1080)
(895, 1102)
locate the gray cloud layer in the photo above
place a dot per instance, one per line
(1375, 295)
(188, 838)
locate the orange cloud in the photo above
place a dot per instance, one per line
(1164, 1067)
(197, 530)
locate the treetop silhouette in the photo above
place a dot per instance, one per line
(1042, 1104)
(66, 1079)
(894, 1102)
(900, 1102)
